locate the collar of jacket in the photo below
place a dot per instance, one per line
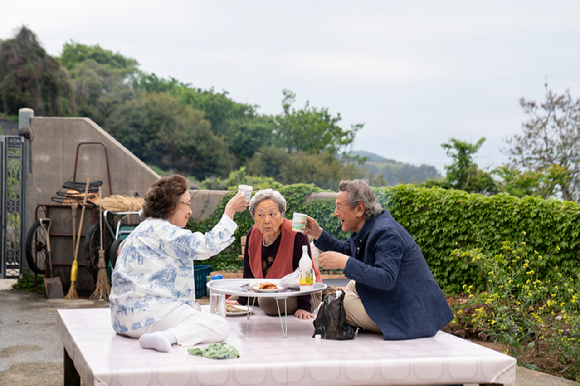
(359, 237)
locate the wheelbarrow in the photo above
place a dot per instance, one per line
(38, 256)
(118, 227)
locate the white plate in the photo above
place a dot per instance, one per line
(243, 311)
(258, 289)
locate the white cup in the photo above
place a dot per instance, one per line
(247, 190)
(298, 222)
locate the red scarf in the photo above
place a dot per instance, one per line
(282, 265)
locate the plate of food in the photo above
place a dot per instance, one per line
(266, 287)
(236, 310)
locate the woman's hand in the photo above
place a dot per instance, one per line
(312, 228)
(238, 203)
(232, 302)
(302, 314)
(332, 260)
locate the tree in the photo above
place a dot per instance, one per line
(550, 138)
(311, 130)
(99, 90)
(100, 79)
(463, 173)
(31, 78)
(162, 131)
(519, 183)
(244, 136)
(322, 169)
(76, 53)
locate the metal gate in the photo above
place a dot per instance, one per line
(12, 206)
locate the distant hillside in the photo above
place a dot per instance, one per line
(395, 172)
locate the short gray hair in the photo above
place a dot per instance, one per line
(360, 191)
(267, 194)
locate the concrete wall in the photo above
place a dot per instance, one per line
(53, 149)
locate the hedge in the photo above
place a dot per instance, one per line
(444, 223)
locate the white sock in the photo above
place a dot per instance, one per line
(160, 340)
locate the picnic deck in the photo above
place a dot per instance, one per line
(98, 356)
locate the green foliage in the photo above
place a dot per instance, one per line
(27, 282)
(237, 177)
(446, 222)
(442, 221)
(99, 90)
(521, 307)
(310, 129)
(463, 172)
(161, 130)
(31, 78)
(74, 54)
(322, 169)
(543, 182)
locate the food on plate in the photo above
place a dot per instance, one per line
(267, 285)
(230, 308)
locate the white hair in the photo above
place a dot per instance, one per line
(267, 194)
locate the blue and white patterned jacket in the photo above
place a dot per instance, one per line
(154, 271)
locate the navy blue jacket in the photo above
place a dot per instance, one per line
(392, 278)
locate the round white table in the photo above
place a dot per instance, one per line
(245, 287)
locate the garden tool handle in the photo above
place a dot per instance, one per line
(75, 266)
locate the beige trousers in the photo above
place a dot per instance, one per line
(356, 314)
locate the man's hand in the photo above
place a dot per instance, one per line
(332, 260)
(302, 314)
(312, 228)
(238, 203)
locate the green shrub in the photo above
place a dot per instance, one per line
(444, 222)
(521, 308)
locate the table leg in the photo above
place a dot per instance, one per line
(284, 330)
(71, 375)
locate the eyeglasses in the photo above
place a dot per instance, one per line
(186, 203)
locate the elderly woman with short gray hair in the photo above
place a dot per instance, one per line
(273, 250)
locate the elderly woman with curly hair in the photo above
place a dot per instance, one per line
(153, 292)
(273, 250)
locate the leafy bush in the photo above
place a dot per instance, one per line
(522, 309)
(444, 223)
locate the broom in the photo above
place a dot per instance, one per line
(103, 289)
(72, 291)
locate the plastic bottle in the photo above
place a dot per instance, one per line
(306, 272)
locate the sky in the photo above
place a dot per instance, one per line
(416, 73)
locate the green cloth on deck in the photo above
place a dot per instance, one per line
(216, 351)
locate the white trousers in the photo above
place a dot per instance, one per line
(189, 326)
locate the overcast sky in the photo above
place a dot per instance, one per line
(415, 73)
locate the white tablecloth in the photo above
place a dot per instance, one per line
(104, 358)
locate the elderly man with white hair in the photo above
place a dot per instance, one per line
(392, 291)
